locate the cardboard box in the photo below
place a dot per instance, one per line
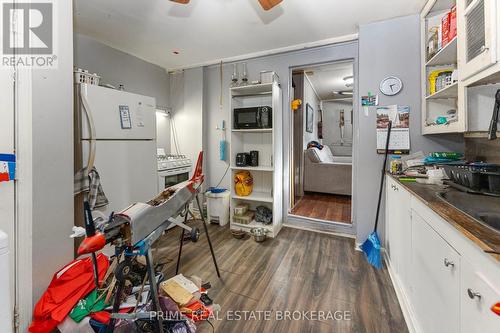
(445, 29)
(453, 24)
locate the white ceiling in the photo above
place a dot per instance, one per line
(206, 31)
(328, 78)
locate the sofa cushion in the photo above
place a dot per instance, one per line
(320, 156)
(313, 155)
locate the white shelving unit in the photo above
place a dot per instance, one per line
(450, 97)
(268, 177)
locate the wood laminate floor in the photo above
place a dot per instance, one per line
(322, 206)
(297, 271)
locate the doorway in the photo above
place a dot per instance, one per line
(322, 142)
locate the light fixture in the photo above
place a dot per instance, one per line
(161, 112)
(343, 92)
(349, 81)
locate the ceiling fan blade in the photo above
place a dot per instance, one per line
(269, 4)
(184, 2)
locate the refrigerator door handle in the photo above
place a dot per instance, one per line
(92, 136)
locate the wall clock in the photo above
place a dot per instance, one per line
(391, 86)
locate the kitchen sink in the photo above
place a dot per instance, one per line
(482, 208)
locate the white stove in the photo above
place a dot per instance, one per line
(172, 169)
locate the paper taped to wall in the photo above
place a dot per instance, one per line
(400, 134)
(7, 167)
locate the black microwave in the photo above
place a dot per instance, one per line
(253, 118)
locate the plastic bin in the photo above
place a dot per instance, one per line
(218, 206)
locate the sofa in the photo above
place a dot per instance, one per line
(326, 173)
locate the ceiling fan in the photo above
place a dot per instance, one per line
(266, 4)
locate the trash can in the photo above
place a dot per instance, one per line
(218, 206)
(5, 304)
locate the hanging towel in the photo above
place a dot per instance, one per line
(91, 185)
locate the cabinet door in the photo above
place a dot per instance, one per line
(477, 295)
(398, 229)
(477, 27)
(436, 278)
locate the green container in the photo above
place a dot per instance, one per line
(447, 155)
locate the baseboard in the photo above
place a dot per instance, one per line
(402, 298)
(304, 223)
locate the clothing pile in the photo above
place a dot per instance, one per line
(73, 304)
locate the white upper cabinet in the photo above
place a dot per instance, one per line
(441, 91)
(477, 26)
(472, 55)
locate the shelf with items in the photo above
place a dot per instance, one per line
(255, 196)
(446, 56)
(272, 227)
(253, 224)
(264, 168)
(450, 91)
(262, 186)
(253, 130)
(245, 142)
(440, 71)
(252, 90)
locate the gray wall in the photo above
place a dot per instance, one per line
(385, 48)
(187, 92)
(281, 64)
(52, 153)
(312, 99)
(331, 129)
(389, 48)
(116, 67)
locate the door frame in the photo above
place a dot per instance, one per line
(306, 223)
(23, 305)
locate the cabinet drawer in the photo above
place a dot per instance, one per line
(477, 295)
(436, 279)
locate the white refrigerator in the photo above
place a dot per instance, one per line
(125, 144)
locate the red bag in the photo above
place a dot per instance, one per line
(68, 286)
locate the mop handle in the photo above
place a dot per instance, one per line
(382, 177)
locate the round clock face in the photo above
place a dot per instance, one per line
(391, 86)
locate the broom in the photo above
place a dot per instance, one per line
(371, 246)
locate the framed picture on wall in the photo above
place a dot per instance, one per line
(309, 118)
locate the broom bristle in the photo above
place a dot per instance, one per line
(371, 247)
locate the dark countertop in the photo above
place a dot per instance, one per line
(482, 236)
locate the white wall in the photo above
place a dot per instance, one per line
(52, 134)
(311, 98)
(480, 102)
(163, 132)
(187, 105)
(7, 189)
(331, 129)
(116, 67)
